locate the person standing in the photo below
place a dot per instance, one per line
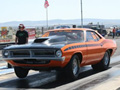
(21, 35)
(114, 32)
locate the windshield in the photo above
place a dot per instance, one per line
(62, 26)
(71, 35)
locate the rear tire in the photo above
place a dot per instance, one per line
(21, 72)
(103, 64)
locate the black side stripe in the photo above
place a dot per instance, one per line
(81, 46)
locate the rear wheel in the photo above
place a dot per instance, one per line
(104, 63)
(21, 72)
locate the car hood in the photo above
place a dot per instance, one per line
(36, 46)
(43, 43)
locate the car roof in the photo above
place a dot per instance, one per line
(84, 29)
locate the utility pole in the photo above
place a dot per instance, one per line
(81, 14)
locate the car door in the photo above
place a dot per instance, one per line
(94, 47)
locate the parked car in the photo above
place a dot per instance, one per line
(110, 33)
(103, 33)
(63, 50)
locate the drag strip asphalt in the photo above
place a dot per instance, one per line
(5, 70)
(47, 80)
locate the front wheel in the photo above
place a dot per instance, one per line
(9, 66)
(21, 72)
(104, 63)
(73, 67)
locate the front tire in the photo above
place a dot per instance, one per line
(73, 68)
(9, 65)
(21, 72)
(103, 64)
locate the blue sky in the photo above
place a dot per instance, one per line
(33, 10)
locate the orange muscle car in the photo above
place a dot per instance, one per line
(64, 50)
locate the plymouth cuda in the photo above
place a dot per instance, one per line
(63, 50)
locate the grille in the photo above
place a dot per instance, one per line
(32, 53)
(21, 53)
(43, 52)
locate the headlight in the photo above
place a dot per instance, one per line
(6, 53)
(58, 53)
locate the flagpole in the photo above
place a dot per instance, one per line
(81, 15)
(47, 18)
(46, 6)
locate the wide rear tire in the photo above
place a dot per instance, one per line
(21, 72)
(103, 64)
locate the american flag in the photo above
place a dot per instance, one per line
(46, 4)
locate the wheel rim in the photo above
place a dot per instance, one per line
(106, 59)
(75, 66)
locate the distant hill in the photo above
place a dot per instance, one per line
(106, 22)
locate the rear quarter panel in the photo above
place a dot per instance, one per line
(110, 44)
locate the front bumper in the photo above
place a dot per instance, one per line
(36, 58)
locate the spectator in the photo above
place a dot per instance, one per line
(21, 35)
(114, 31)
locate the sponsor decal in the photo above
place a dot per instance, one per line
(31, 32)
(4, 32)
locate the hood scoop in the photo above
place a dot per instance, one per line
(40, 40)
